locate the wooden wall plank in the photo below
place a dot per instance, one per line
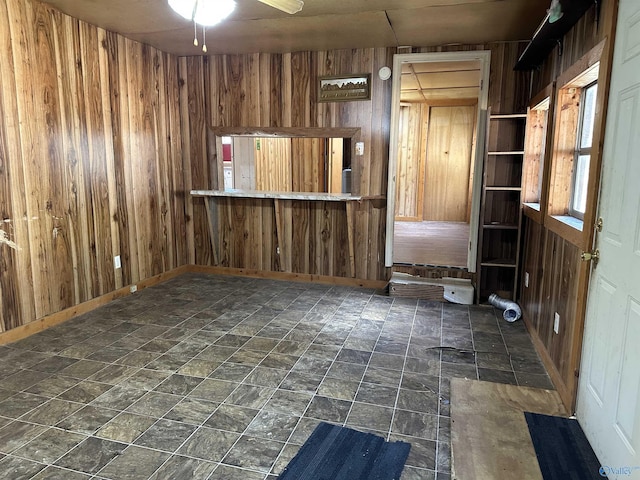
(90, 163)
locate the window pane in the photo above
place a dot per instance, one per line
(589, 112)
(580, 186)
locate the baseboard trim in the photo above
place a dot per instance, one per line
(62, 316)
(289, 276)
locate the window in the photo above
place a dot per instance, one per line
(538, 135)
(582, 156)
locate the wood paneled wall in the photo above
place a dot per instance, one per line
(556, 273)
(412, 151)
(90, 163)
(101, 138)
(280, 90)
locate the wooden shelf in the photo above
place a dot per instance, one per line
(499, 226)
(501, 212)
(502, 189)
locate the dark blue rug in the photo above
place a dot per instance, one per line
(562, 448)
(340, 453)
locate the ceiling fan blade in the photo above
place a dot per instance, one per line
(288, 6)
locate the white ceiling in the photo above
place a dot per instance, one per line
(321, 25)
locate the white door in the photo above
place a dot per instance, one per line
(608, 405)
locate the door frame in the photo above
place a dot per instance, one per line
(484, 57)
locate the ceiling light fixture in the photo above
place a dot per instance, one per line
(555, 11)
(203, 12)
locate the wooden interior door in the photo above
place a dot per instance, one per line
(608, 404)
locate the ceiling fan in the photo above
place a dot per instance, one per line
(210, 12)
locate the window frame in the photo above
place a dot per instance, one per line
(569, 86)
(581, 151)
(537, 155)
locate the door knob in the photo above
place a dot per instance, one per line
(586, 256)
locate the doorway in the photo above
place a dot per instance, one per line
(439, 102)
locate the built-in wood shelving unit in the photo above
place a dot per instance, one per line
(501, 213)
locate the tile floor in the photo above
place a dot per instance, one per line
(210, 377)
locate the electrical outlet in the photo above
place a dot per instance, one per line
(359, 148)
(556, 323)
(116, 262)
(526, 279)
(133, 288)
(277, 250)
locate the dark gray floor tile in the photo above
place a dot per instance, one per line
(200, 368)
(535, 380)
(191, 410)
(418, 401)
(422, 453)
(20, 403)
(353, 356)
(119, 397)
(16, 434)
(443, 459)
(178, 384)
(265, 377)
(209, 444)
(420, 382)
(381, 376)
(134, 463)
(179, 468)
(414, 473)
(429, 366)
(261, 344)
(303, 430)
(225, 472)
(231, 418)
(496, 361)
(272, 425)
(168, 362)
(377, 394)
(496, 376)
(346, 371)
(52, 386)
(154, 404)
(51, 412)
(146, 379)
(338, 388)
(53, 364)
(113, 374)
(250, 396)
(254, 453)
(13, 468)
(458, 370)
(415, 424)
(370, 416)
(213, 390)
(166, 435)
(87, 420)
(126, 427)
(289, 451)
(311, 364)
(285, 401)
(301, 382)
(50, 445)
(22, 380)
(527, 364)
(85, 392)
(83, 369)
(57, 473)
(328, 409)
(91, 455)
(231, 372)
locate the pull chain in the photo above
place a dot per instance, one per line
(195, 34)
(204, 39)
